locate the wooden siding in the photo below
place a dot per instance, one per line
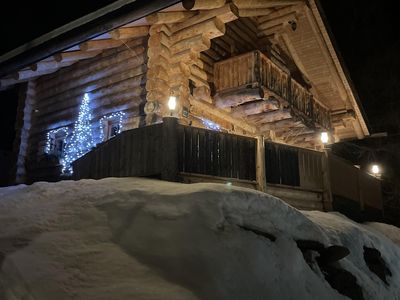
(114, 80)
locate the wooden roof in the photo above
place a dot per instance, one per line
(309, 45)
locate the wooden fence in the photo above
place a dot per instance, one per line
(136, 152)
(208, 152)
(168, 149)
(304, 178)
(353, 190)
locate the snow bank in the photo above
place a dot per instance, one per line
(130, 238)
(390, 231)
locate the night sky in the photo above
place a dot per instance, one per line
(366, 33)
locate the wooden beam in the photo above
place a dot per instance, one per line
(226, 13)
(254, 12)
(129, 32)
(196, 43)
(51, 64)
(286, 123)
(269, 117)
(95, 45)
(235, 97)
(210, 28)
(8, 81)
(211, 109)
(169, 17)
(202, 93)
(254, 4)
(29, 74)
(277, 21)
(75, 55)
(202, 4)
(255, 107)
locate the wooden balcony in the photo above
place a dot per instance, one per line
(242, 81)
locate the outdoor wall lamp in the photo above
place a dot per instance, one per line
(172, 103)
(324, 137)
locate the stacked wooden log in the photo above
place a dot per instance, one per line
(114, 80)
(175, 43)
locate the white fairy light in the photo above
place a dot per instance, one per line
(119, 115)
(53, 133)
(210, 124)
(81, 140)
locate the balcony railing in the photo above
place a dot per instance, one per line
(256, 70)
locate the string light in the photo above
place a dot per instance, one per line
(210, 125)
(52, 134)
(81, 140)
(119, 115)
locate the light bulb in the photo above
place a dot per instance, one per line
(172, 103)
(375, 169)
(324, 137)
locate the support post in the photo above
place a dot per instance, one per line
(170, 149)
(260, 164)
(327, 194)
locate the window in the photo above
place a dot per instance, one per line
(110, 126)
(56, 141)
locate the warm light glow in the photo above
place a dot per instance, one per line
(172, 103)
(324, 137)
(375, 169)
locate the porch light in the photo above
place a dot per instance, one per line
(324, 137)
(172, 103)
(375, 169)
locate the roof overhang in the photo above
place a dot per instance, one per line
(87, 27)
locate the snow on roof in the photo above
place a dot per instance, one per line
(129, 238)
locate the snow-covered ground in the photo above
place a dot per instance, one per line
(130, 238)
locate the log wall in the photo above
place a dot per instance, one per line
(115, 82)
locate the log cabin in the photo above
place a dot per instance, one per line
(252, 85)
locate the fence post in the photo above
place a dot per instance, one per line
(327, 194)
(260, 164)
(170, 149)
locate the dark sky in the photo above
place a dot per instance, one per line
(368, 39)
(366, 33)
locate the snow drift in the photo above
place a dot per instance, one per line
(130, 238)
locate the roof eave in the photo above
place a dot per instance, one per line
(87, 27)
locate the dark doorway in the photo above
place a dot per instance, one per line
(8, 112)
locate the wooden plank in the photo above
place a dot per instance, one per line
(208, 152)
(202, 151)
(181, 147)
(235, 157)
